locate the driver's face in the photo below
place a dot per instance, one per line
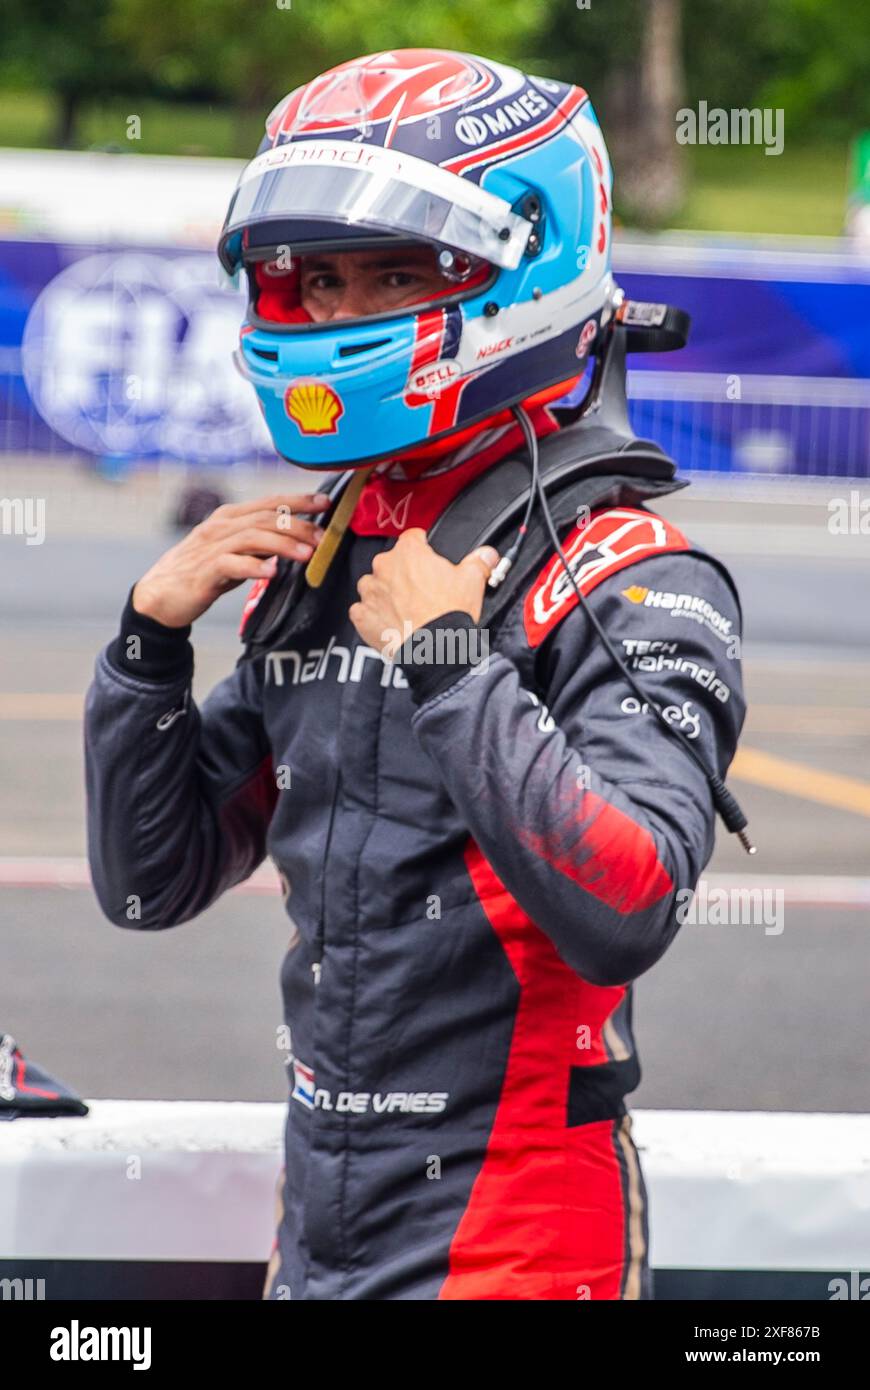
(350, 284)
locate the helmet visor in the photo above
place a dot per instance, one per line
(277, 285)
(364, 187)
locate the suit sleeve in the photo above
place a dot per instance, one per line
(178, 799)
(590, 813)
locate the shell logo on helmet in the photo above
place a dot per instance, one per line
(313, 407)
(516, 178)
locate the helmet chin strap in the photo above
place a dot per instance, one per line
(318, 566)
(418, 460)
(425, 454)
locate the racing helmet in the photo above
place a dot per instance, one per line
(505, 176)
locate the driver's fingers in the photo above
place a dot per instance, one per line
(234, 569)
(485, 558)
(284, 523)
(292, 502)
(259, 540)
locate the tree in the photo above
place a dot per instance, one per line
(651, 162)
(255, 53)
(820, 77)
(66, 49)
(627, 54)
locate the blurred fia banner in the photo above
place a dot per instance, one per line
(775, 379)
(125, 351)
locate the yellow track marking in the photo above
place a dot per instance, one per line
(796, 779)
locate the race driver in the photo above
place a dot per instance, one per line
(481, 849)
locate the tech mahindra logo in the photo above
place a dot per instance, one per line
(393, 516)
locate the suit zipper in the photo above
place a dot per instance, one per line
(320, 936)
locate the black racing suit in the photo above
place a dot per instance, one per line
(479, 855)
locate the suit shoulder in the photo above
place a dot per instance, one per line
(609, 542)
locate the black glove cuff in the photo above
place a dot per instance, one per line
(438, 654)
(149, 650)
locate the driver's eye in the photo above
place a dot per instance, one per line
(322, 280)
(400, 279)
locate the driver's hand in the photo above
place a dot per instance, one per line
(237, 542)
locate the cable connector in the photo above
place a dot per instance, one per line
(731, 814)
(500, 572)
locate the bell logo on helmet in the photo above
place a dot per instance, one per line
(313, 407)
(427, 383)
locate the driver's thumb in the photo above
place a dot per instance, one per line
(485, 553)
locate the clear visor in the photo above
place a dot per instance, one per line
(346, 184)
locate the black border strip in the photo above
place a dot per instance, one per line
(174, 1280)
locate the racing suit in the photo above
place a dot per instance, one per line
(479, 853)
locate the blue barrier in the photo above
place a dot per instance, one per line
(126, 354)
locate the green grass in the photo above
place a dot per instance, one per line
(25, 119)
(732, 188)
(28, 120)
(741, 189)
